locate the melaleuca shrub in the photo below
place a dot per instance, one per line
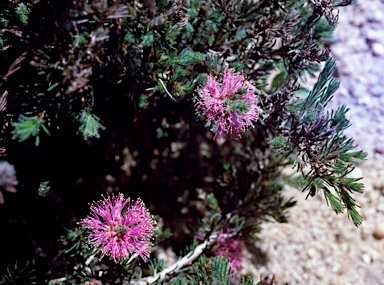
(195, 107)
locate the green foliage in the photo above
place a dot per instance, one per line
(278, 141)
(323, 89)
(210, 271)
(19, 274)
(211, 201)
(4, 22)
(22, 12)
(29, 126)
(161, 232)
(147, 39)
(219, 266)
(155, 265)
(247, 281)
(186, 58)
(333, 201)
(90, 124)
(44, 188)
(74, 241)
(239, 106)
(66, 58)
(324, 30)
(324, 153)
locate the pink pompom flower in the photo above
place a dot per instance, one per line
(229, 248)
(120, 227)
(229, 107)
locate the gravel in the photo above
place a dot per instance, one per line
(318, 246)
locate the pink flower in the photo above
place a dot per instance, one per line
(120, 227)
(229, 248)
(230, 107)
(93, 281)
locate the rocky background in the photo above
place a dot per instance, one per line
(317, 246)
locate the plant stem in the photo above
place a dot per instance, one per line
(187, 259)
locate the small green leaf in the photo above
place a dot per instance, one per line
(333, 201)
(239, 106)
(211, 201)
(354, 215)
(241, 33)
(90, 125)
(186, 57)
(27, 127)
(278, 141)
(147, 39)
(22, 11)
(44, 188)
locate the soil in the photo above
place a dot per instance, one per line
(317, 246)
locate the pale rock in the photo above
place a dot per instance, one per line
(378, 232)
(377, 49)
(375, 15)
(344, 246)
(343, 269)
(374, 35)
(311, 253)
(366, 258)
(380, 208)
(365, 233)
(321, 272)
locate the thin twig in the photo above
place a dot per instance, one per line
(16, 65)
(3, 101)
(58, 280)
(166, 90)
(187, 259)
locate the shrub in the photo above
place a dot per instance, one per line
(195, 107)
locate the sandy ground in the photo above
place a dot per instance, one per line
(317, 246)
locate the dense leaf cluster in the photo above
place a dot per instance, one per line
(99, 96)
